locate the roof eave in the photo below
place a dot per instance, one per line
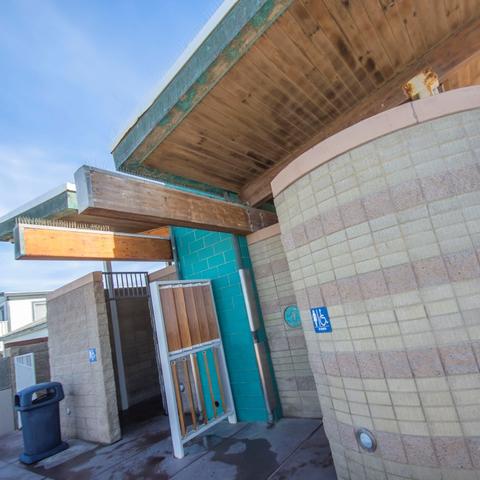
(57, 203)
(229, 39)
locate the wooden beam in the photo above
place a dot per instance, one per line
(113, 195)
(159, 232)
(443, 59)
(40, 242)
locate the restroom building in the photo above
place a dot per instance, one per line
(288, 160)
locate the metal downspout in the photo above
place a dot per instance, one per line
(254, 323)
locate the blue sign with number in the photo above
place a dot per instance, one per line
(321, 320)
(92, 355)
(292, 317)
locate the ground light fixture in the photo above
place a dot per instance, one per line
(366, 440)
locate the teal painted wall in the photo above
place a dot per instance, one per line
(211, 255)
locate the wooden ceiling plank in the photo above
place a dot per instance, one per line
(243, 132)
(39, 242)
(195, 131)
(432, 31)
(268, 96)
(108, 194)
(196, 128)
(328, 87)
(345, 88)
(172, 164)
(466, 74)
(239, 164)
(356, 27)
(457, 48)
(319, 11)
(414, 28)
(398, 56)
(402, 39)
(211, 160)
(453, 13)
(263, 62)
(366, 29)
(299, 66)
(325, 44)
(275, 134)
(470, 8)
(275, 115)
(218, 111)
(325, 111)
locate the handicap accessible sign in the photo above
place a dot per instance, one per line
(321, 320)
(92, 355)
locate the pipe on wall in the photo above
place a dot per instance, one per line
(254, 324)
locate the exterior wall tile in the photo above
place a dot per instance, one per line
(452, 452)
(77, 320)
(210, 255)
(425, 363)
(271, 269)
(395, 364)
(458, 359)
(420, 450)
(398, 268)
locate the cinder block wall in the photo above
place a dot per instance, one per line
(210, 255)
(77, 321)
(138, 349)
(295, 382)
(387, 236)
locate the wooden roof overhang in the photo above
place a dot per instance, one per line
(275, 77)
(130, 205)
(61, 204)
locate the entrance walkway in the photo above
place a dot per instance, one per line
(292, 449)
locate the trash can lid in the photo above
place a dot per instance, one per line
(24, 397)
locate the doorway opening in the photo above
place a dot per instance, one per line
(138, 380)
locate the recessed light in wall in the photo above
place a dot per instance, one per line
(366, 440)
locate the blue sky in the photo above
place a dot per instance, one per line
(74, 74)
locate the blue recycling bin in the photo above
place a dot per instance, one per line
(39, 411)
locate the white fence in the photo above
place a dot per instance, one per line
(6, 399)
(3, 328)
(24, 374)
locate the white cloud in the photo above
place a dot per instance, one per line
(66, 91)
(28, 172)
(28, 275)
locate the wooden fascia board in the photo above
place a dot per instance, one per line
(42, 242)
(227, 43)
(118, 196)
(443, 59)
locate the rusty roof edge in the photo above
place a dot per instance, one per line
(219, 51)
(173, 71)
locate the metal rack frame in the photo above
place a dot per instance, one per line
(166, 358)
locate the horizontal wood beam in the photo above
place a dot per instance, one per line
(159, 232)
(40, 242)
(444, 58)
(118, 196)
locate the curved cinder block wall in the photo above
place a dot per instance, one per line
(288, 351)
(381, 224)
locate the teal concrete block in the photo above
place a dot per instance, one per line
(224, 245)
(196, 245)
(211, 255)
(216, 260)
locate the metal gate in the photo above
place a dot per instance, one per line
(118, 286)
(197, 385)
(24, 374)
